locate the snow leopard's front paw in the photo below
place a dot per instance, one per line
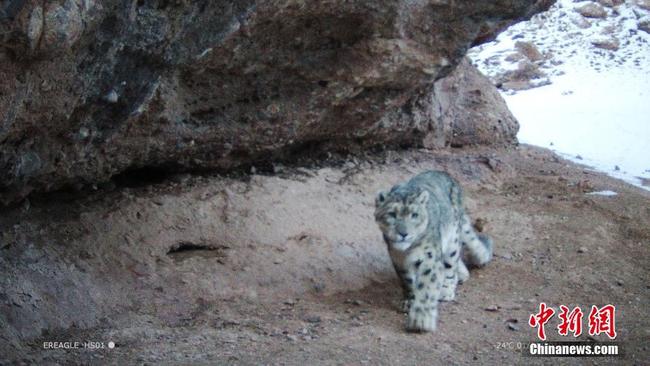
(406, 305)
(420, 320)
(447, 294)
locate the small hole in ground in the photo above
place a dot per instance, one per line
(185, 250)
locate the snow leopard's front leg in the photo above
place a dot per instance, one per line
(407, 283)
(423, 313)
(451, 265)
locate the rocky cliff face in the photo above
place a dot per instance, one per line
(90, 89)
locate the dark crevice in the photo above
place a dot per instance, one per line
(189, 247)
(312, 154)
(144, 176)
(181, 251)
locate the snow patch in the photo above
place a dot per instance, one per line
(596, 109)
(603, 193)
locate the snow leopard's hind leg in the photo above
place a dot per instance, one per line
(478, 246)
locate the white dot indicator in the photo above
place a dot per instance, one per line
(111, 345)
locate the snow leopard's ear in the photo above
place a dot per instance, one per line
(381, 197)
(423, 197)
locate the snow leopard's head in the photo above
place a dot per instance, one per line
(402, 215)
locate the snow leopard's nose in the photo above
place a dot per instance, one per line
(402, 235)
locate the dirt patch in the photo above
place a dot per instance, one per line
(290, 268)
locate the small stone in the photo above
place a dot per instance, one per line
(643, 4)
(592, 10)
(111, 97)
(644, 25)
(492, 308)
(354, 302)
(292, 337)
(620, 283)
(513, 326)
(582, 250)
(83, 133)
(610, 44)
(313, 319)
(35, 27)
(514, 57)
(529, 50)
(62, 26)
(581, 22)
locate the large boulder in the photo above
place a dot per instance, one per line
(472, 106)
(93, 88)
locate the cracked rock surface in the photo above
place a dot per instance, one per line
(91, 89)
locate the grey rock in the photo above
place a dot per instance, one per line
(611, 44)
(592, 10)
(216, 85)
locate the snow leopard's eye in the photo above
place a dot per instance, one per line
(392, 214)
(414, 215)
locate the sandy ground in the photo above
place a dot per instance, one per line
(553, 243)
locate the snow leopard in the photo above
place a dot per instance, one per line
(425, 228)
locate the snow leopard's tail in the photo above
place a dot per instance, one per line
(478, 246)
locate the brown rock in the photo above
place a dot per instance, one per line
(62, 26)
(644, 25)
(469, 106)
(592, 10)
(216, 85)
(608, 29)
(529, 50)
(516, 85)
(611, 44)
(524, 72)
(581, 22)
(643, 4)
(514, 57)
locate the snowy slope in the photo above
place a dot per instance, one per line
(595, 109)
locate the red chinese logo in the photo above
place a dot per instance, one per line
(540, 319)
(601, 320)
(571, 322)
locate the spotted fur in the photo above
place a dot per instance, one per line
(425, 227)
